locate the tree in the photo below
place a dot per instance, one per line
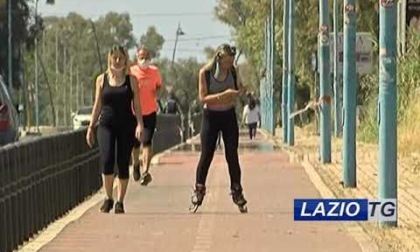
(115, 28)
(153, 41)
(209, 51)
(247, 20)
(24, 32)
(182, 77)
(67, 49)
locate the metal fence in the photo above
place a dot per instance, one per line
(194, 124)
(42, 179)
(169, 132)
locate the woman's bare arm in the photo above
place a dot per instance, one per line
(97, 105)
(136, 100)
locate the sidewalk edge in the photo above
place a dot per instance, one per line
(55, 228)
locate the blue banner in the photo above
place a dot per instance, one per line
(331, 209)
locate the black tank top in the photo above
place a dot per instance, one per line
(116, 103)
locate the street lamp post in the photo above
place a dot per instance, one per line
(179, 32)
(337, 75)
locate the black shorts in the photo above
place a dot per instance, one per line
(149, 122)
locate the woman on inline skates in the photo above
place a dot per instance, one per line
(218, 87)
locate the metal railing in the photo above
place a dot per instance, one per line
(194, 124)
(43, 179)
(168, 132)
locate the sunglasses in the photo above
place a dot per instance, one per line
(229, 50)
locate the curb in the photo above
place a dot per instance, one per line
(51, 231)
(354, 229)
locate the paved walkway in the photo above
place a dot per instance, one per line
(157, 217)
(405, 238)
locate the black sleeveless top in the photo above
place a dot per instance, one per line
(116, 104)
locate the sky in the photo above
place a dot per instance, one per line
(196, 18)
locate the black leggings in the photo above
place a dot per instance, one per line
(122, 137)
(252, 127)
(149, 122)
(213, 123)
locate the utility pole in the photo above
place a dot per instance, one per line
(349, 94)
(291, 76)
(10, 48)
(387, 173)
(337, 75)
(325, 90)
(285, 116)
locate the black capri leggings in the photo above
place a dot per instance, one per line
(149, 122)
(252, 129)
(213, 123)
(110, 137)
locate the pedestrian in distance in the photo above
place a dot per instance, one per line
(250, 117)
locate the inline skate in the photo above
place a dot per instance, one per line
(238, 198)
(197, 197)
